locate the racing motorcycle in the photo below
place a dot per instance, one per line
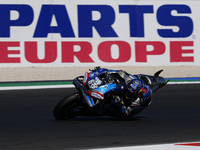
(95, 92)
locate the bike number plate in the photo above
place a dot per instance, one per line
(94, 83)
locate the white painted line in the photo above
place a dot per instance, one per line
(186, 82)
(154, 147)
(67, 86)
(35, 87)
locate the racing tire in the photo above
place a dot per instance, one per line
(65, 108)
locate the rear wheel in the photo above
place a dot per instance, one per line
(66, 108)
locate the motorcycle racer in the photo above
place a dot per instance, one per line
(135, 95)
(104, 92)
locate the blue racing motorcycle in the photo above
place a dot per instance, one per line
(95, 91)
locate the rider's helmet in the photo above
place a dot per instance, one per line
(134, 88)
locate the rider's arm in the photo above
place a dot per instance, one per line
(140, 103)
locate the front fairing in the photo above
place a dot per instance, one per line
(94, 75)
(99, 92)
(92, 88)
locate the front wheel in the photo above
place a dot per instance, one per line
(65, 109)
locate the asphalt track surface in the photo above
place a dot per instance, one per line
(26, 121)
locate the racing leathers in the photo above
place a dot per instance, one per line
(135, 95)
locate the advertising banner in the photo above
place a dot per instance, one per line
(52, 33)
